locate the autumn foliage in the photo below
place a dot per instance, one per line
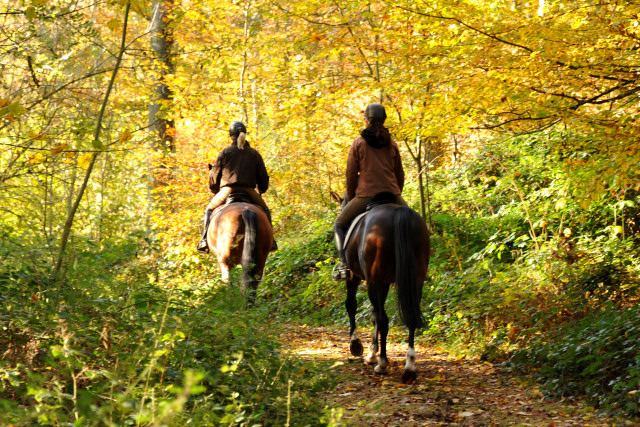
(518, 125)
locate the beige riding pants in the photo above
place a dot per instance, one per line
(224, 192)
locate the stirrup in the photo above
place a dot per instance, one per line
(203, 246)
(340, 272)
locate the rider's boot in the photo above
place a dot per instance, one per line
(202, 244)
(340, 272)
(274, 245)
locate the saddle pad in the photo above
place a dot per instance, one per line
(352, 227)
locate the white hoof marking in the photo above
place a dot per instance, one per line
(370, 359)
(381, 367)
(411, 360)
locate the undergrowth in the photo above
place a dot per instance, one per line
(129, 342)
(529, 275)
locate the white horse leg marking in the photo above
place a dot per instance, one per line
(371, 357)
(354, 335)
(381, 367)
(411, 360)
(224, 273)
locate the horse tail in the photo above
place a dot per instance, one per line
(409, 290)
(250, 249)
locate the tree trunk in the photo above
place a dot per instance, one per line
(161, 45)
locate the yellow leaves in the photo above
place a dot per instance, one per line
(125, 135)
(616, 230)
(58, 148)
(36, 158)
(85, 160)
(43, 155)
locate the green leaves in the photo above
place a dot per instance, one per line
(11, 110)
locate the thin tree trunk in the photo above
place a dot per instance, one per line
(243, 71)
(96, 142)
(418, 160)
(427, 162)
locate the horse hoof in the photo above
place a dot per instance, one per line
(379, 370)
(408, 377)
(356, 348)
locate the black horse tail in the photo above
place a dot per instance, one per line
(409, 290)
(250, 249)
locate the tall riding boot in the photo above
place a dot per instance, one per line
(202, 244)
(274, 245)
(341, 272)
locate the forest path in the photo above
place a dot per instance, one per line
(447, 392)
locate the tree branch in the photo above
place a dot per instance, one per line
(96, 138)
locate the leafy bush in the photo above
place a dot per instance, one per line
(529, 269)
(597, 357)
(299, 281)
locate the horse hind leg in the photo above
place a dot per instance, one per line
(410, 368)
(383, 326)
(372, 357)
(351, 304)
(225, 269)
(378, 295)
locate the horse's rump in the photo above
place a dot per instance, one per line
(240, 233)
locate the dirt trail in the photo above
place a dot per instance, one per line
(448, 391)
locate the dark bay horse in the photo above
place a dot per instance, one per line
(389, 245)
(240, 234)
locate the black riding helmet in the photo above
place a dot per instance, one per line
(237, 128)
(376, 111)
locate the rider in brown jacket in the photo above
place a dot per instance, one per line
(373, 166)
(238, 167)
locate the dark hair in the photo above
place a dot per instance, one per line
(382, 133)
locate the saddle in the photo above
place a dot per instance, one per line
(238, 196)
(383, 198)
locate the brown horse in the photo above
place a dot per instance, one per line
(389, 245)
(240, 234)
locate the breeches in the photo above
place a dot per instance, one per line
(356, 206)
(224, 192)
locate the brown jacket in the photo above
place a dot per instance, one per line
(371, 170)
(239, 167)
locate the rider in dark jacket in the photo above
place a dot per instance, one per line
(373, 166)
(238, 167)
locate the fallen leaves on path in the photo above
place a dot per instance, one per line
(448, 391)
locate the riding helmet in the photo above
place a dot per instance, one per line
(375, 111)
(237, 128)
